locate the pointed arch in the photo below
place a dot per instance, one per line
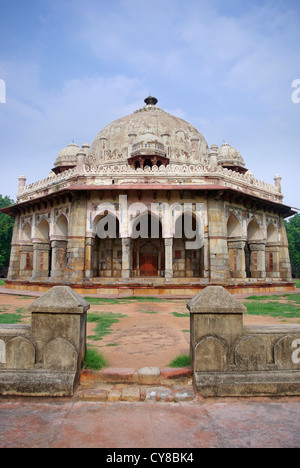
(62, 226)
(254, 231)
(43, 231)
(234, 228)
(26, 233)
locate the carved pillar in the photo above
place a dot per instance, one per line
(14, 263)
(126, 258)
(272, 261)
(89, 249)
(217, 234)
(236, 254)
(41, 260)
(76, 240)
(257, 259)
(59, 258)
(284, 256)
(26, 254)
(169, 258)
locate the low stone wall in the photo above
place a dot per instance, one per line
(229, 359)
(45, 357)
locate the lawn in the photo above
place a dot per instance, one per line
(284, 306)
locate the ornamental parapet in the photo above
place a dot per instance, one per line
(198, 175)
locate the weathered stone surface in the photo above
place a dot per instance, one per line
(60, 299)
(158, 394)
(131, 394)
(60, 354)
(231, 360)
(149, 375)
(20, 354)
(215, 300)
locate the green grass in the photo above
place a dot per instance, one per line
(94, 360)
(10, 319)
(183, 360)
(103, 323)
(178, 314)
(2, 283)
(273, 309)
(297, 283)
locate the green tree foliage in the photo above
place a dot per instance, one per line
(6, 229)
(293, 233)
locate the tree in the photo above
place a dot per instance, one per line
(293, 233)
(6, 229)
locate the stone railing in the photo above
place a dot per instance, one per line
(229, 359)
(224, 175)
(45, 357)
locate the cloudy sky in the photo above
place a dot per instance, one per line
(226, 66)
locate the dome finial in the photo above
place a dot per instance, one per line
(151, 101)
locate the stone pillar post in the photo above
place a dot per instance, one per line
(272, 261)
(40, 267)
(285, 264)
(236, 253)
(89, 248)
(169, 258)
(216, 320)
(76, 241)
(217, 234)
(126, 258)
(14, 263)
(26, 254)
(257, 259)
(59, 258)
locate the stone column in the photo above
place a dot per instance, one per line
(236, 253)
(257, 259)
(272, 261)
(59, 259)
(40, 267)
(14, 263)
(126, 258)
(284, 256)
(217, 234)
(26, 254)
(75, 270)
(89, 249)
(169, 258)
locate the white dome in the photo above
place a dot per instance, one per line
(67, 156)
(182, 143)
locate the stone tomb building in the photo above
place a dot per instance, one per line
(214, 222)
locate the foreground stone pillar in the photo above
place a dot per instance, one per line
(44, 358)
(230, 359)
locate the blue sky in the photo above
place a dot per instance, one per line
(73, 66)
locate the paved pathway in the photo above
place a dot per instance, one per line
(71, 423)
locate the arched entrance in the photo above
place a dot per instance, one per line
(187, 261)
(107, 249)
(147, 246)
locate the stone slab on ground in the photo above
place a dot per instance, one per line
(212, 423)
